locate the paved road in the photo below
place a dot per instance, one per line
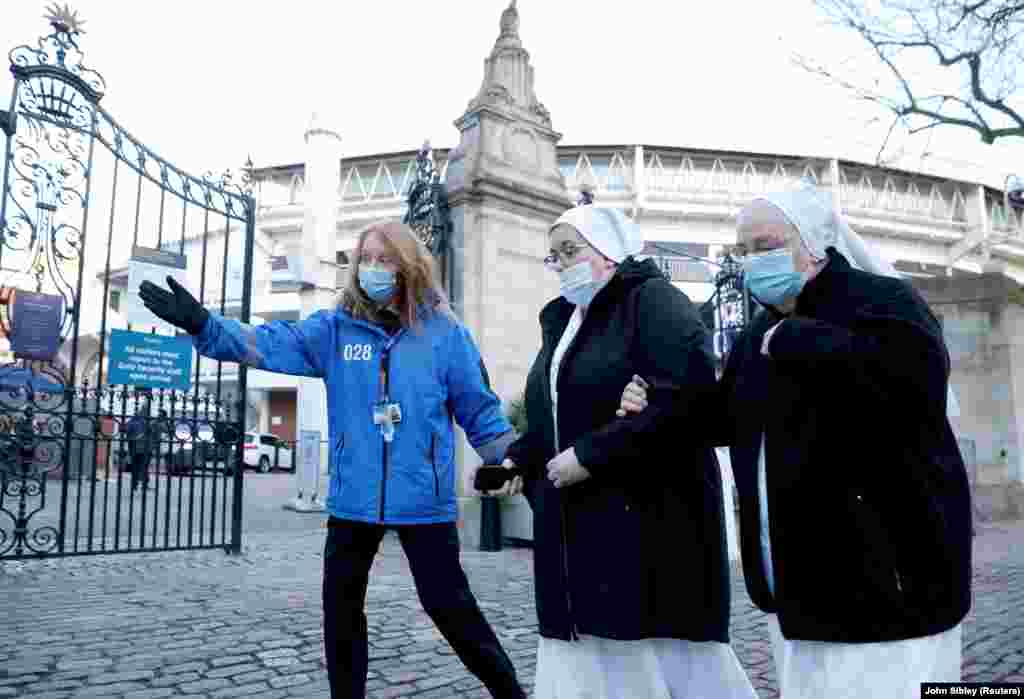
(174, 511)
(204, 624)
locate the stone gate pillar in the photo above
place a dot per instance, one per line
(505, 190)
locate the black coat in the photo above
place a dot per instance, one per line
(869, 505)
(637, 550)
(141, 436)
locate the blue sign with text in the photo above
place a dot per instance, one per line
(151, 361)
(35, 325)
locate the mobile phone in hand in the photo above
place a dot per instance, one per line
(494, 477)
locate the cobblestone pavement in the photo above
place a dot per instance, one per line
(204, 624)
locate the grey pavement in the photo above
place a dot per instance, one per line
(205, 624)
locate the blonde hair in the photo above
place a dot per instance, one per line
(417, 278)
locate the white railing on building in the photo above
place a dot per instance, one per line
(648, 176)
(874, 190)
(1005, 220)
(721, 178)
(610, 172)
(362, 180)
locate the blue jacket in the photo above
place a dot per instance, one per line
(435, 372)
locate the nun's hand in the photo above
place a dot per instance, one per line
(634, 397)
(565, 469)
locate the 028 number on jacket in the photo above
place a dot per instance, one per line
(357, 353)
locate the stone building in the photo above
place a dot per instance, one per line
(509, 177)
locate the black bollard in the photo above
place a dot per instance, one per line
(490, 523)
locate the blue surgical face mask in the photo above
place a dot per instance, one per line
(772, 278)
(379, 284)
(578, 285)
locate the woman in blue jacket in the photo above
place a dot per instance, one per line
(398, 367)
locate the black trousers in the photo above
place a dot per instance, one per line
(433, 554)
(140, 470)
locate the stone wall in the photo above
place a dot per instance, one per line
(983, 325)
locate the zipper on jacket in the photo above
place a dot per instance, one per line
(384, 360)
(385, 394)
(433, 464)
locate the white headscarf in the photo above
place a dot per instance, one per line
(611, 232)
(820, 226)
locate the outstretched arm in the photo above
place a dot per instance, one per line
(283, 347)
(279, 346)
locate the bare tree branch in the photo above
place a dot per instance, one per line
(926, 127)
(1004, 14)
(984, 38)
(885, 143)
(979, 94)
(967, 11)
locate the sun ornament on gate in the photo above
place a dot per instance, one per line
(55, 62)
(64, 19)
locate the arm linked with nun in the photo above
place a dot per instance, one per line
(474, 405)
(526, 451)
(673, 349)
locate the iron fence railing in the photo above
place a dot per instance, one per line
(71, 173)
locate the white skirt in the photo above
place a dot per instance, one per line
(599, 668)
(892, 669)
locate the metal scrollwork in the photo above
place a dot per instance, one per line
(28, 452)
(59, 51)
(427, 201)
(728, 310)
(732, 305)
(219, 195)
(49, 427)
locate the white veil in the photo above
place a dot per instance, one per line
(820, 226)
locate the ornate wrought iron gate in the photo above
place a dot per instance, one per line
(78, 193)
(427, 212)
(730, 307)
(731, 303)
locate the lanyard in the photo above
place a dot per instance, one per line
(385, 361)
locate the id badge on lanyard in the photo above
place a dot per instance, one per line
(386, 413)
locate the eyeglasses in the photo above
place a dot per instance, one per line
(566, 253)
(383, 261)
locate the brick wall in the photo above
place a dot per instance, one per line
(282, 404)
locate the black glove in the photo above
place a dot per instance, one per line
(177, 306)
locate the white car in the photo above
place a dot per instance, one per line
(263, 451)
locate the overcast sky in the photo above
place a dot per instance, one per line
(206, 82)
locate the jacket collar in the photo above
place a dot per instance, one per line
(828, 289)
(628, 275)
(427, 315)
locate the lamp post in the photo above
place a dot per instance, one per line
(1013, 193)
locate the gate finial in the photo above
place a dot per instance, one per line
(64, 19)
